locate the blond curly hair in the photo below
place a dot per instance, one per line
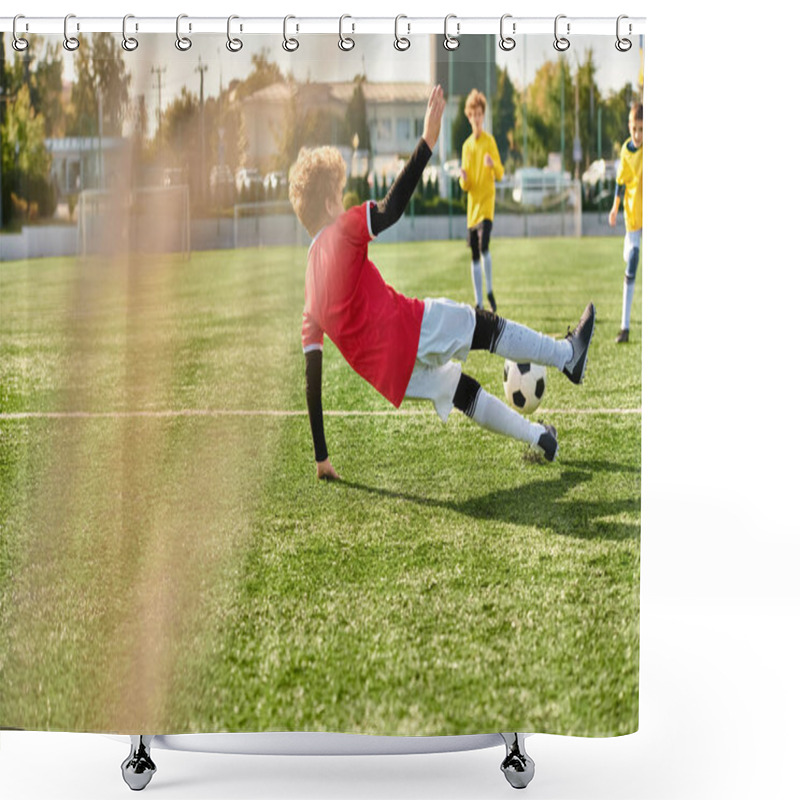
(319, 174)
(475, 99)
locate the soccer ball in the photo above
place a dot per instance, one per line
(524, 385)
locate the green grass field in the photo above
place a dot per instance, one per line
(163, 570)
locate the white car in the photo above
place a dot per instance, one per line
(275, 180)
(533, 185)
(452, 168)
(246, 179)
(600, 170)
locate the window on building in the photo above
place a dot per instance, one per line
(403, 130)
(384, 130)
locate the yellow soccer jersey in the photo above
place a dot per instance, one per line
(630, 175)
(479, 183)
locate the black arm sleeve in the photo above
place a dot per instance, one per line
(391, 208)
(314, 402)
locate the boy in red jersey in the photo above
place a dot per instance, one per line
(403, 346)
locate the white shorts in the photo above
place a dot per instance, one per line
(446, 333)
(632, 239)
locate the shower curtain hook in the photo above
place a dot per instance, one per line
(233, 44)
(183, 43)
(289, 44)
(623, 45)
(451, 42)
(561, 43)
(345, 42)
(129, 43)
(401, 43)
(507, 42)
(17, 42)
(70, 42)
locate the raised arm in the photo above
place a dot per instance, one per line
(391, 208)
(325, 469)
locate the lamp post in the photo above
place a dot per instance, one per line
(202, 68)
(158, 72)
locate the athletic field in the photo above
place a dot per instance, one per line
(169, 563)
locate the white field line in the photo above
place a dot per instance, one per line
(221, 412)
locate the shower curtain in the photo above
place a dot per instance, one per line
(169, 560)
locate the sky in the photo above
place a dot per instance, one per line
(375, 56)
(320, 59)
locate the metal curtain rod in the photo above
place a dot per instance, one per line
(458, 26)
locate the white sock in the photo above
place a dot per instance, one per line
(627, 302)
(477, 283)
(523, 344)
(496, 416)
(487, 270)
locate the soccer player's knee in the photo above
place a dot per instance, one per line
(633, 265)
(488, 329)
(466, 394)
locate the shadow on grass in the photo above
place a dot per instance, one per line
(544, 503)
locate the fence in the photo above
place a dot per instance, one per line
(43, 241)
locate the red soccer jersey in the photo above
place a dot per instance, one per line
(375, 328)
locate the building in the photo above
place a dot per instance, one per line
(395, 114)
(395, 110)
(86, 162)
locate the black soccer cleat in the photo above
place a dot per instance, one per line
(580, 338)
(622, 336)
(492, 302)
(548, 443)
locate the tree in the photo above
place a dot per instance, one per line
(3, 80)
(503, 112)
(46, 84)
(355, 118)
(228, 132)
(40, 68)
(100, 94)
(461, 129)
(616, 109)
(589, 101)
(304, 125)
(548, 129)
(25, 161)
(264, 73)
(180, 130)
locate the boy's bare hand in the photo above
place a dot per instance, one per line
(487, 160)
(433, 116)
(612, 218)
(326, 472)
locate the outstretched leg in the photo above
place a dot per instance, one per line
(494, 415)
(520, 343)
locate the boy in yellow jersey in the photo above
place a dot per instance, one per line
(480, 168)
(629, 189)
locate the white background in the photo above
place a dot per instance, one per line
(720, 605)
